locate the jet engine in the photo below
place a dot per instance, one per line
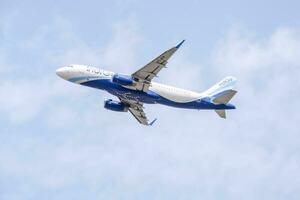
(115, 106)
(123, 80)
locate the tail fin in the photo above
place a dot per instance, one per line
(222, 93)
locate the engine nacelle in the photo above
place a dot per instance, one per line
(115, 106)
(123, 80)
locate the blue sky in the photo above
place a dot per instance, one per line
(58, 142)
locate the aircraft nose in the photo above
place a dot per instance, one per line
(61, 72)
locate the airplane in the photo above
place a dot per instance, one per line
(137, 89)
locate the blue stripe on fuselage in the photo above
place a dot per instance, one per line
(119, 91)
(150, 97)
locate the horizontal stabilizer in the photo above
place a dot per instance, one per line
(224, 97)
(221, 113)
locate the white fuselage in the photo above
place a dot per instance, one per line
(80, 74)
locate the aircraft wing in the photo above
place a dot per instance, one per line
(149, 71)
(136, 109)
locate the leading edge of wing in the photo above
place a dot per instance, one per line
(145, 74)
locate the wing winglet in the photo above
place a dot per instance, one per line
(151, 123)
(178, 45)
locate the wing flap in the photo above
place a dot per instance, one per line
(139, 115)
(137, 110)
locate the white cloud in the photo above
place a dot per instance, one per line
(24, 99)
(248, 54)
(5, 66)
(121, 51)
